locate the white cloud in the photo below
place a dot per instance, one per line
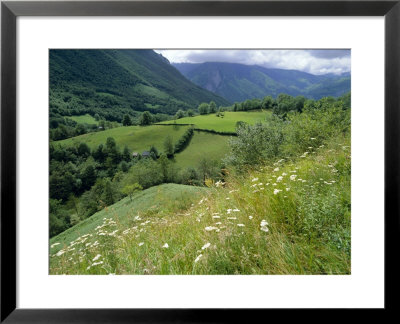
(312, 61)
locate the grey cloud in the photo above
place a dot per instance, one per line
(329, 54)
(311, 61)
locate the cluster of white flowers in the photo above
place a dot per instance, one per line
(276, 191)
(211, 228)
(263, 226)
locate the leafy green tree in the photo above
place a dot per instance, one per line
(108, 193)
(126, 154)
(99, 154)
(88, 177)
(203, 108)
(168, 146)
(207, 168)
(212, 107)
(83, 150)
(129, 190)
(80, 130)
(164, 166)
(96, 116)
(267, 102)
(190, 113)
(124, 166)
(180, 114)
(153, 152)
(126, 121)
(145, 118)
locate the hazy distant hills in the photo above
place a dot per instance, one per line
(111, 80)
(238, 82)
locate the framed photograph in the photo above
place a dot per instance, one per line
(163, 158)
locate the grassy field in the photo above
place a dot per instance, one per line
(203, 145)
(288, 217)
(136, 138)
(84, 119)
(225, 124)
(150, 201)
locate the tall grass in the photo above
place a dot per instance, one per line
(291, 216)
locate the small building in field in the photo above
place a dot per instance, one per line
(146, 154)
(135, 154)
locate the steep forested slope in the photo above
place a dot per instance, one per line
(112, 82)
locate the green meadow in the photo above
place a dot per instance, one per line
(136, 138)
(202, 145)
(227, 123)
(84, 119)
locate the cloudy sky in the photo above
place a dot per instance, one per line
(311, 61)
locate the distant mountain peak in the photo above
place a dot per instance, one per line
(238, 82)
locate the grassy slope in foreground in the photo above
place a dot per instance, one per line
(203, 145)
(225, 124)
(136, 138)
(84, 119)
(150, 201)
(283, 218)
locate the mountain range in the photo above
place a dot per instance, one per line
(112, 80)
(238, 82)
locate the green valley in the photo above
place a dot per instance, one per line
(198, 168)
(225, 123)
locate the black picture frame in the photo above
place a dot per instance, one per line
(10, 10)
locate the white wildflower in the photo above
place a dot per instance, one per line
(210, 228)
(263, 226)
(165, 246)
(236, 210)
(97, 263)
(96, 257)
(280, 178)
(141, 243)
(276, 191)
(254, 180)
(240, 225)
(60, 253)
(276, 169)
(54, 244)
(250, 217)
(216, 217)
(198, 258)
(205, 246)
(293, 177)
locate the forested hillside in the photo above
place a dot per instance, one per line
(112, 83)
(238, 82)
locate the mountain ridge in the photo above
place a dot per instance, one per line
(239, 82)
(130, 80)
